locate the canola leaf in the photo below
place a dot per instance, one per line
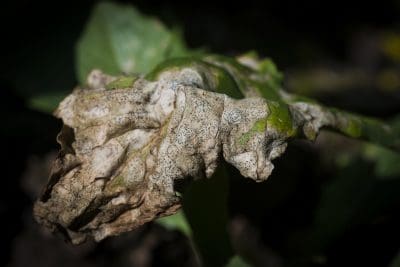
(176, 222)
(119, 39)
(237, 261)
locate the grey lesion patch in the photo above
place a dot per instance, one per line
(61, 166)
(90, 212)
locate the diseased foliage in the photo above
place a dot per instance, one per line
(127, 140)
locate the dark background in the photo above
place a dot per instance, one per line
(38, 42)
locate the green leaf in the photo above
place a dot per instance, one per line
(46, 102)
(396, 261)
(237, 261)
(387, 162)
(176, 222)
(118, 38)
(205, 207)
(354, 197)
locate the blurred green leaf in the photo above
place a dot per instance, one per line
(387, 162)
(119, 39)
(396, 261)
(176, 222)
(205, 207)
(355, 196)
(237, 261)
(46, 102)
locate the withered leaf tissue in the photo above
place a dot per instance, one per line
(126, 140)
